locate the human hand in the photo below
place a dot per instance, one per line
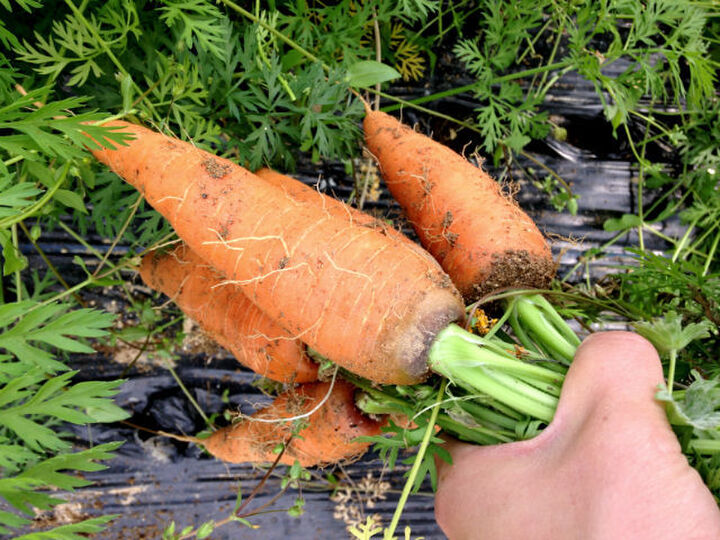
(608, 466)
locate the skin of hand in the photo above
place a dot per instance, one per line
(607, 467)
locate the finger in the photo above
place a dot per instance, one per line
(618, 368)
(457, 450)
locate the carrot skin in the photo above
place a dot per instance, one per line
(327, 437)
(356, 296)
(482, 239)
(227, 315)
(302, 192)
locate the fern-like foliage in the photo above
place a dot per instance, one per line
(35, 401)
(80, 42)
(23, 491)
(28, 329)
(663, 44)
(197, 23)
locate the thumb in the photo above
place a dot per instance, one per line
(620, 370)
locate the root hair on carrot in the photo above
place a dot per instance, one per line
(299, 416)
(262, 277)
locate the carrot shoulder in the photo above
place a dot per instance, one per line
(326, 438)
(482, 239)
(227, 315)
(354, 295)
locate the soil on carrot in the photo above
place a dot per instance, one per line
(440, 279)
(512, 269)
(215, 169)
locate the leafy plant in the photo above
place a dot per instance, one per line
(274, 84)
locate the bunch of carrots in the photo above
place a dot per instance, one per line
(272, 269)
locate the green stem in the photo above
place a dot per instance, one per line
(471, 86)
(488, 416)
(522, 336)
(701, 238)
(705, 446)
(685, 237)
(710, 255)
(187, 393)
(531, 42)
(119, 235)
(641, 170)
(381, 404)
(671, 369)
(80, 240)
(283, 82)
(49, 263)
(475, 434)
(390, 531)
(68, 292)
(543, 331)
(13, 160)
(549, 170)
(503, 388)
(584, 259)
(279, 35)
(553, 53)
(374, 404)
(16, 247)
(557, 321)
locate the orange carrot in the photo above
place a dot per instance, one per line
(302, 192)
(482, 239)
(327, 437)
(227, 315)
(356, 296)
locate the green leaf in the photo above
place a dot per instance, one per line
(126, 91)
(700, 404)
(627, 221)
(70, 199)
(52, 325)
(205, 530)
(667, 333)
(21, 491)
(369, 73)
(15, 195)
(238, 500)
(245, 522)
(13, 260)
(198, 23)
(72, 531)
(517, 141)
(26, 401)
(169, 532)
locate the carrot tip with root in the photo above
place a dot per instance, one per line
(481, 238)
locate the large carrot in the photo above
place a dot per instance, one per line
(302, 192)
(227, 315)
(327, 437)
(356, 296)
(482, 238)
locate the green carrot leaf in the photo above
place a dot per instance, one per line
(699, 406)
(369, 73)
(667, 333)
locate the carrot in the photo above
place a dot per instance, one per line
(327, 437)
(356, 296)
(302, 192)
(482, 238)
(227, 315)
